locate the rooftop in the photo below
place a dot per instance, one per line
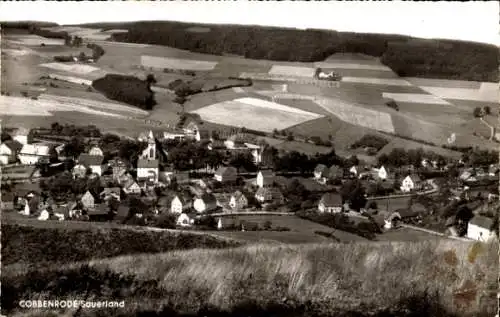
(90, 160)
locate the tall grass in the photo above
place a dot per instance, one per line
(364, 277)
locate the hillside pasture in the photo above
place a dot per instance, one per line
(463, 94)
(370, 73)
(175, 63)
(412, 145)
(443, 83)
(437, 114)
(301, 231)
(33, 40)
(74, 68)
(16, 52)
(347, 65)
(356, 115)
(292, 71)
(254, 114)
(415, 98)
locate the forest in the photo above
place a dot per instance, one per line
(446, 59)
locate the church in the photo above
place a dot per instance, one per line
(148, 164)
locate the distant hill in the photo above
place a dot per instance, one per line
(407, 56)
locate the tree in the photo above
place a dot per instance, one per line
(150, 79)
(487, 110)
(478, 112)
(82, 57)
(74, 147)
(353, 193)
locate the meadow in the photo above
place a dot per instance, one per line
(431, 278)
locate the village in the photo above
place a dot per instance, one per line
(193, 179)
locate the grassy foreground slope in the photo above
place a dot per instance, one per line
(438, 278)
(447, 59)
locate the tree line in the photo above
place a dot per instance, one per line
(405, 55)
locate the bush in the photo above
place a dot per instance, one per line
(128, 89)
(166, 221)
(371, 140)
(478, 112)
(392, 104)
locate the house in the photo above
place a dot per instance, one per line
(186, 219)
(96, 151)
(148, 169)
(149, 152)
(238, 201)
(79, 171)
(269, 195)
(131, 188)
(110, 192)
(180, 203)
(392, 221)
(44, 215)
(94, 162)
(191, 128)
(321, 172)
(330, 203)
(223, 200)
(30, 154)
(9, 151)
(354, 171)
(205, 203)
(22, 135)
(265, 178)
(88, 200)
(228, 223)
(226, 174)
(410, 183)
(480, 228)
(173, 135)
(182, 177)
(382, 173)
(99, 213)
(465, 175)
(493, 170)
(125, 179)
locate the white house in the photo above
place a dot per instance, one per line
(179, 204)
(94, 162)
(409, 183)
(79, 171)
(44, 215)
(148, 169)
(238, 201)
(185, 220)
(480, 228)
(96, 151)
(330, 203)
(354, 170)
(30, 154)
(131, 187)
(22, 136)
(321, 172)
(206, 202)
(382, 173)
(9, 151)
(265, 178)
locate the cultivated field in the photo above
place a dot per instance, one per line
(174, 63)
(376, 81)
(463, 93)
(292, 71)
(71, 79)
(71, 67)
(255, 114)
(347, 65)
(357, 115)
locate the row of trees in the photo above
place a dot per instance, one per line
(407, 56)
(400, 157)
(90, 131)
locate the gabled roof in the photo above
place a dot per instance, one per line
(90, 160)
(481, 221)
(414, 177)
(238, 194)
(267, 173)
(142, 163)
(320, 168)
(111, 190)
(208, 199)
(20, 131)
(331, 200)
(13, 145)
(184, 198)
(273, 191)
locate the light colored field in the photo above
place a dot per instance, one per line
(71, 68)
(415, 98)
(376, 81)
(70, 79)
(121, 44)
(175, 63)
(86, 33)
(254, 114)
(34, 40)
(486, 95)
(331, 64)
(357, 115)
(88, 103)
(44, 106)
(294, 71)
(238, 90)
(198, 29)
(16, 53)
(408, 145)
(443, 83)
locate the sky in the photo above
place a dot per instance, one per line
(471, 21)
